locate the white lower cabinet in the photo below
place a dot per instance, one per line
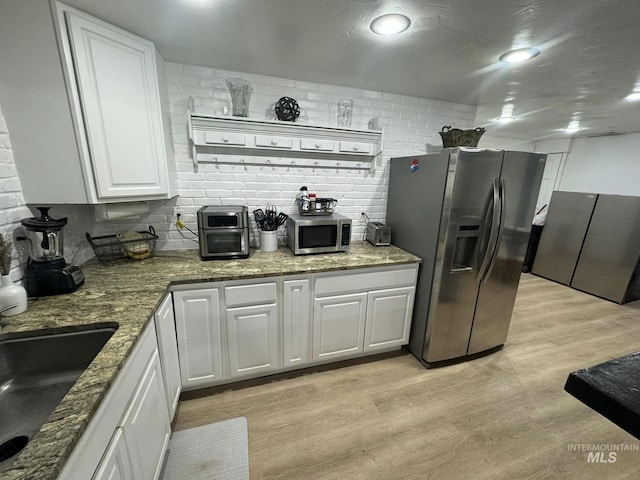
(116, 463)
(168, 350)
(251, 324)
(252, 339)
(364, 311)
(338, 325)
(296, 322)
(227, 331)
(199, 336)
(128, 435)
(146, 423)
(388, 320)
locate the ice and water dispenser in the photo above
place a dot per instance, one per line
(464, 249)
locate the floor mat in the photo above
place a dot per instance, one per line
(218, 451)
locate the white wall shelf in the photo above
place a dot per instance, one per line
(285, 143)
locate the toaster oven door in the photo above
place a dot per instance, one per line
(224, 242)
(224, 220)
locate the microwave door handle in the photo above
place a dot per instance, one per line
(493, 232)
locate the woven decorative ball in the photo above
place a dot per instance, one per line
(287, 109)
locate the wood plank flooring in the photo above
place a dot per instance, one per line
(504, 416)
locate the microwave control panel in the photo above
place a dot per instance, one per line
(346, 234)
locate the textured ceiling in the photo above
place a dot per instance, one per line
(589, 60)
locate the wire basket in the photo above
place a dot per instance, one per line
(124, 246)
(454, 137)
(320, 206)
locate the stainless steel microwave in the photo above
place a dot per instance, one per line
(223, 232)
(318, 234)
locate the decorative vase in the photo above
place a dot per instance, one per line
(345, 109)
(240, 91)
(13, 298)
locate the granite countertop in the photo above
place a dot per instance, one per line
(129, 293)
(612, 389)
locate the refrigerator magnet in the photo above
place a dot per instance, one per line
(414, 165)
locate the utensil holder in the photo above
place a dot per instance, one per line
(268, 241)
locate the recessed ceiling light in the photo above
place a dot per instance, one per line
(506, 115)
(574, 126)
(390, 24)
(519, 55)
(633, 97)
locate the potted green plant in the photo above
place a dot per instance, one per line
(13, 298)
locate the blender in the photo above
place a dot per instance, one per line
(47, 271)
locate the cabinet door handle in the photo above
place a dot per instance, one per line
(225, 139)
(318, 145)
(274, 142)
(355, 147)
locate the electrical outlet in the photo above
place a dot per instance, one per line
(179, 223)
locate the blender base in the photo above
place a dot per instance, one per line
(57, 281)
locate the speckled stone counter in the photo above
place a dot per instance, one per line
(128, 294)
(612, 389)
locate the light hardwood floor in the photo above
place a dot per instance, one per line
(504, 416)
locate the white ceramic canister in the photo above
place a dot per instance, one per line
(13, 298)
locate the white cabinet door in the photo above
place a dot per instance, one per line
(199, 339)
(146, 423)
(388, 318)
(118, 88)
(116, 463)
(338, 325)
(168, 349)
(252, 339)
(296, 316)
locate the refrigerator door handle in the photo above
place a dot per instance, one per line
(493, 233)
(500, 231)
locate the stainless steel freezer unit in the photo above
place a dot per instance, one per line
(591, 242)
(467, 213)
(563, 234)
(609, 263)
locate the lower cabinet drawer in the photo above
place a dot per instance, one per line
(258, 294)
(353, 282)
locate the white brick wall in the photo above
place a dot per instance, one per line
(12, 206)
(408, 123)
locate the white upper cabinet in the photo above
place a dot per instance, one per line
(118, 87)
(85, 107)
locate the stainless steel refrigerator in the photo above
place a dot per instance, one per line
(467, 213)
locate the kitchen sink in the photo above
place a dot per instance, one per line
(36, 372)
